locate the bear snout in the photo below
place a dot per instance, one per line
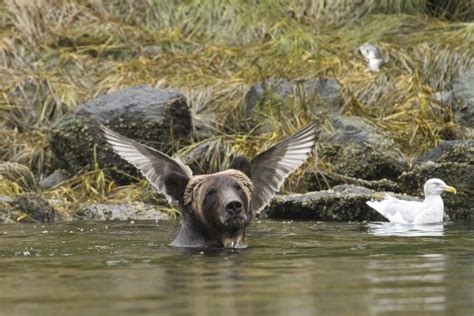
(234, 213)
(235, 216)
(234, 208)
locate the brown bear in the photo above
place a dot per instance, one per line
(217, 208)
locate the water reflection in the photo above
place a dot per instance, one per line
(405, 230)
(408, 285)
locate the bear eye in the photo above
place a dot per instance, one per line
(237, 187)
(211, 192)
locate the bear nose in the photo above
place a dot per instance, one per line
(234, 207)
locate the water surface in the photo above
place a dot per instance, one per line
(290, 268)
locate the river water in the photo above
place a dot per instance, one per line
(290, 268)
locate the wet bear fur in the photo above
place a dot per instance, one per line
(215, 207)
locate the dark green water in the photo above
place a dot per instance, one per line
(298, 268)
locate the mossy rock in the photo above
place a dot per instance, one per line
(158, 118)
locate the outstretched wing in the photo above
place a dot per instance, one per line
(270, 168)
(153, 164)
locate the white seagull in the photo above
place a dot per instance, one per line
(410, 212)
(373, 56)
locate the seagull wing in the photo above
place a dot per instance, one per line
(270, 168)
(396, 210)
(153, 164)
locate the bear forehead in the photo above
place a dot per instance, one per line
(226, 175)
(199, 182)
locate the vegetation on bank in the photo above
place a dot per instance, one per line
(56, 55)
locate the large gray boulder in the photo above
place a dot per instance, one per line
(453, 162)
(159, 118)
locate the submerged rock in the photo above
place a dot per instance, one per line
(342, 203)
(158, 118)
(121, 212)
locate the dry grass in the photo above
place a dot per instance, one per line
(55, 55)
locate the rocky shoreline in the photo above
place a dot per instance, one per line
(361, 161)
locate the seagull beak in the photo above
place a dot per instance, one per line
(450, 189)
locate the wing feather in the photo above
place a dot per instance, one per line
(270, 168)
(152, 163)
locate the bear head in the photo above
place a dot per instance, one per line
(217, 205)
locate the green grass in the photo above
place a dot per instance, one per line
(56, 55)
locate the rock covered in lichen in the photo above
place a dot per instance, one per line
(159, 118)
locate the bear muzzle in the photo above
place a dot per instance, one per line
(234, 213)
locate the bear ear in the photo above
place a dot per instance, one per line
(175, 185)
(241, 163)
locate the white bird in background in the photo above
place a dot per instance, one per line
(373, 56)
(410, 212)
